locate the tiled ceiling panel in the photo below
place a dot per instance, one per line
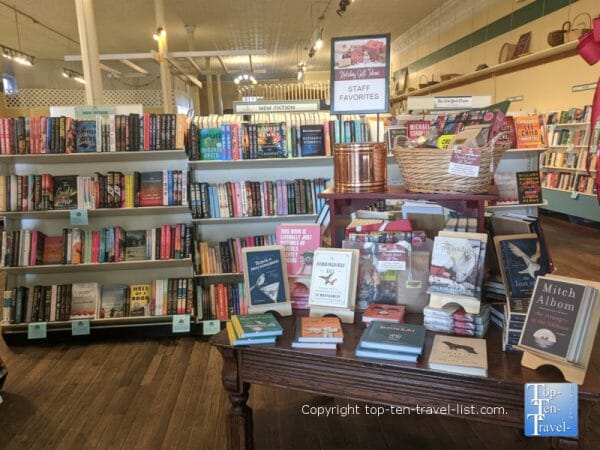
(282, 27)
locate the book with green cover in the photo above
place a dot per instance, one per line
(395, 337)
(234, 339)
(256, 325)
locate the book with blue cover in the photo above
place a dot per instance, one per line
(85, 136)
(256, 325)
(383, 354)
(234, 339)
(393, 337)
(312, 141)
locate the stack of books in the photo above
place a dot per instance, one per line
(383, 313)
(392, 341)
(454, 320)
(515, 312)
(323, 333)
(253, 329)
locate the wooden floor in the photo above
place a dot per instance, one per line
(167, 394)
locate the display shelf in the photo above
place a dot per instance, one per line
(569, 191)
(65, 213)
(265, 162)
(568, 124)
(566, 146)
(584, 205)
(566, 169)
(523, 62)
(516, 206)
(286, 218)
(211, 276)
(527, 150)
(98, 267)
(78, 158)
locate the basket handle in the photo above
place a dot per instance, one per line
(583, 23)
(567, 24)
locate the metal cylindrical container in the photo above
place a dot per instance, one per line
(360, 167)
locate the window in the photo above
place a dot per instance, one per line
(9, 84)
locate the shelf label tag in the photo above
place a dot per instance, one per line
(574, 194)
(36, 330)
(79, 217)
(80, 327)
(570, 147)
(211, 327)
(181, 323)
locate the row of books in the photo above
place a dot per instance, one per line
(220, 301)
(570, 160)
(566, 136)
(25, 248)
(115, 133)
(518, 188)
(111, 190)
(571, 115)
(256, 198)
(226, 256)
(568, 181)
(60, 302)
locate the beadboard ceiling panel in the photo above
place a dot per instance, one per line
(280, 26)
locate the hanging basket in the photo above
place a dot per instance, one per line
(426, 169)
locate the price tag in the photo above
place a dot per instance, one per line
(211, 327)
(79, 217)
(181, 323)
(80, 327)
(465, 162)
(36, 330)
(574, 194)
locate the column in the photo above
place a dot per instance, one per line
(86, 24)
(165, 74)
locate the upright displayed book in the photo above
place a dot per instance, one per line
(392, 341)
(265, 280)
(84, 301)
(528, 131)
(139, 300)
(561, 325)
(333, 283)
(114, 301)
(466, 356)
(529, 187)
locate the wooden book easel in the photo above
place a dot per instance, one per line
(345, 315)
(575, 373)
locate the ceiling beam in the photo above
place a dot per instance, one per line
(223, 65)
(108, 69)
(187, 76)
(250, 59)
(195, 54)
(193, 63)
(113, 56)
(134, 66)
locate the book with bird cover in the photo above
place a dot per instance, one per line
(521, 258)
(466, 356)
(265, 279)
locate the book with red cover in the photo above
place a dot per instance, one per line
(366, 225)
(384, 313)
(416, 128)
(53, 250)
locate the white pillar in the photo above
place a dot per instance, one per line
(165, 74)
(190, 30)
(209, 86)
(86, 24)
(219, 94)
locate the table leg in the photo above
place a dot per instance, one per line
(239, 418)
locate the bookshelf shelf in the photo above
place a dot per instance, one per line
(286, 218)
(566, 169)
(64, 213)
(526, 150)
(78, 158)
(567, 146)
(265, 162)
(216, 276)
(584, 206)
(516, 206)
(569, 191)
(96, 323)
(97, 267)
(569, 124)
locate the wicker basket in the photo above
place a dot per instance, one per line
(426, 170)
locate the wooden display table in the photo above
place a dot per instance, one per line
(341, 205)
(340, 374)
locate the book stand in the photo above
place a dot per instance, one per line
(284, 309)
(344, 314)
(470, 305)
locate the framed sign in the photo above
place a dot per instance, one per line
(360, 74)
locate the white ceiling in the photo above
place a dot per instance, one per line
(279, 26)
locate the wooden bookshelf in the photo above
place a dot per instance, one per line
(285, 218)
(108, 212)
(97, 267)
(566, 169)
(78, 158)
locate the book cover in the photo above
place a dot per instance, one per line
(210, 143)
(528, 131)
(135, 245)
(65, 192)
(553, 311)
(270, 138)
(384, 313)
(300, 242)
(454, 266)
(529, 187)
(416, 128)
(522, 258)
(151, 189)
(86, 136)
(265, 275)
(256, 325)
(299, 289)
(508, 193)
(362, 352)
(399, 337)
(459, 355)
(333, 281)
(312, 140)
(139, 300)
(320, 329)
(234, 339)
(84, 301)
(53, 250)
(113, 301)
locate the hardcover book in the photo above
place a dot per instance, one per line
(135, 245)
(312, 141)
(151, 189)
(139, 300)
(521, 258)
(84, 301)
(529, 187)
(256, 325)
(333, 281)
(86, 136)
(528, 131)
(234, 339)
(53, 250)
(270, 139)
(65, 192)
(300, 242)
(461, 355)
(454, 266)
(508, 193)
(113, 302)
(320, 329)
(396, 337)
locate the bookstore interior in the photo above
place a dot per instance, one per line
(300, 224)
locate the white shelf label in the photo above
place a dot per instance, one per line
(79, 217)
(211, 327)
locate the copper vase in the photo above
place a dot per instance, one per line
(360, 167)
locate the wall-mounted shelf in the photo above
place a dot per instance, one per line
(569, 124)
(65, 213)
(216, 276)
(98, 267)
(62, 158)
(514, 65)
(266, 162)
(526, 150)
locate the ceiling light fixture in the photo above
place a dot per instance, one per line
(245, 79)
(319, 42)
(159, 33)
(17, 56)
(74, 75)
(342, 7)
(301, 71)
